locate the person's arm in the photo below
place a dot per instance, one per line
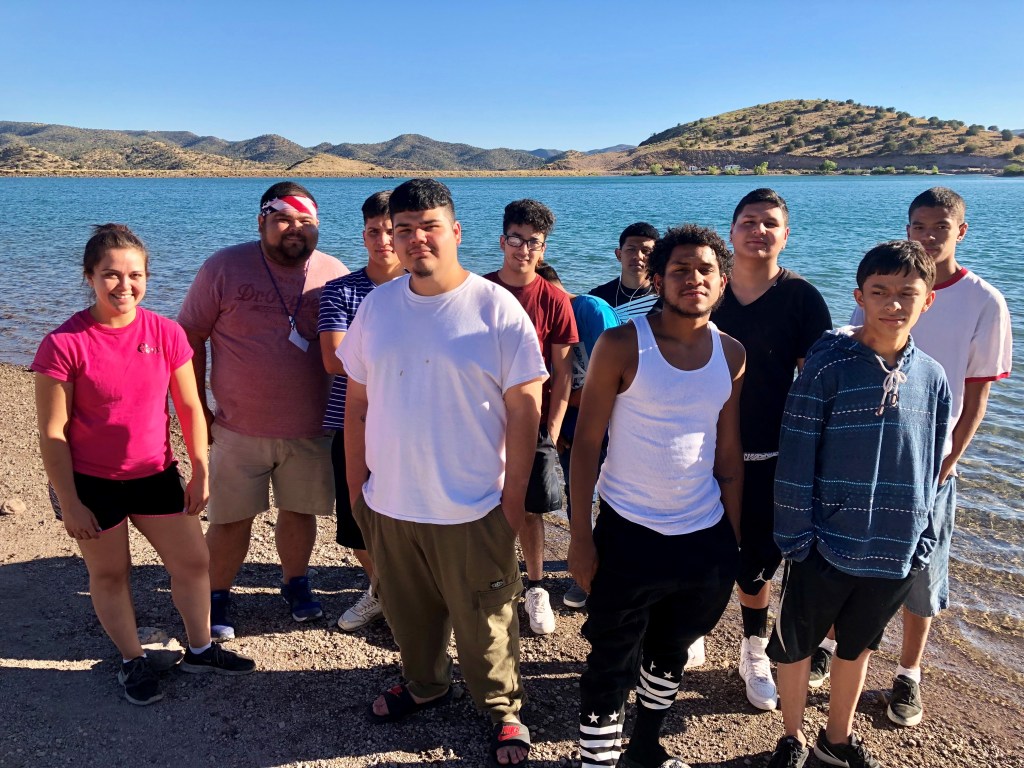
(194, 430)
(973, 413)
(53, 412)
(803, 424)
(728, 447)
(329, 343)
(357, 405)
(522, 406)
(197, 341)
(603, 384)
(561, 386)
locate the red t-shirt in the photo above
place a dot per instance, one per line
(119, 416)
(551, 313)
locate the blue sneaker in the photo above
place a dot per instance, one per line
(300, 599)
(221, 626)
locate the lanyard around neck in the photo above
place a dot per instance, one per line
(292, 317)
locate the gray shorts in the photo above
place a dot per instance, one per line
(243, 468)
(930, 593)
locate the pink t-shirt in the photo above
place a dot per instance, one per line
(264, 385)
(119, 415)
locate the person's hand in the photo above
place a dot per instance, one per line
(514, 515)
(197, 491)
(79, 521)
(948, 465)
(562, 445)
(583, 561)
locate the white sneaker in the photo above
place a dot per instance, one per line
(695, 654)
(756, 671)
(538, 608)
(362, 613)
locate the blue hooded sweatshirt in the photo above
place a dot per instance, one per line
(859, 458)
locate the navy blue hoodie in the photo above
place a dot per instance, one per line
(859, 458)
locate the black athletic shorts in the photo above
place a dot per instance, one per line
(112, 501)
(816, 596)
(759, 555)
(348, 534)
(544, 491)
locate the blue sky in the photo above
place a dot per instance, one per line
(527, 74)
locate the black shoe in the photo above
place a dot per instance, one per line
(789, 753)
(905, 707)
(821, 667)
(141, 685)
(852, 755)
(217, 659)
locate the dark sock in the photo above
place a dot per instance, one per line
(755, 621)
(645, 743)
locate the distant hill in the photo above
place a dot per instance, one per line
(851, 134)
(545, 154)
(411, 151)
(616, 148)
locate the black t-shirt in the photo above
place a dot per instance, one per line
(626, 303)
(776, 329)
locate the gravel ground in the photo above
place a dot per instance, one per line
(60, 703)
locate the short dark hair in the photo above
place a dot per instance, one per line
(762, 195)
(283, 188)
(548, 272)
(420, 195)
(639, 229)
(107, 236)
(688, 234)
(376, 205)
(897, 257)
(940, 197)
(530, 213)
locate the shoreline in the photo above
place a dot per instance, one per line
(306, 703)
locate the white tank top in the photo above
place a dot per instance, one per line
(661, 441)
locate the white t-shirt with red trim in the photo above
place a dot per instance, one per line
(968, 331)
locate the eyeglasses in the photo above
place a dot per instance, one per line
(533, 244)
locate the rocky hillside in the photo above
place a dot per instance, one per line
(414, 152)
(850, 134)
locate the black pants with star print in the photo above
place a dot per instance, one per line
(652, 596)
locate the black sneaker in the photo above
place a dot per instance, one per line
(300, 600)
(141, 685)
(905, 707)
(852, 755)
(217, 659)
(789, 753)
(221, 626)
(821, 667)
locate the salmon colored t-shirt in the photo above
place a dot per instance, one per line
(118, 428)
(264, 385)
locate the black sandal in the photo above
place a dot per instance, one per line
(509, 734)
(401, 704)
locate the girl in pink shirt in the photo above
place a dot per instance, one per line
(101, 397)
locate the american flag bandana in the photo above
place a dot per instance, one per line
(289, 203)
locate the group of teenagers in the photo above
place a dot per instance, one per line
(429, 408)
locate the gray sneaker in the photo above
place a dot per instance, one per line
(575, 597)
(905, 707)
(821, 668)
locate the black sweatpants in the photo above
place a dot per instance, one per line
(652, 596)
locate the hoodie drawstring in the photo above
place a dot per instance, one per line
(891, 385)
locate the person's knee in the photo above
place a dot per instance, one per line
(109, 576)
(190, 565)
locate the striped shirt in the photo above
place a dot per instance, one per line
(627, 303)
(338, 304)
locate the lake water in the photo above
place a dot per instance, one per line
(834, 220)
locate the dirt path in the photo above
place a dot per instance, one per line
(60, 703)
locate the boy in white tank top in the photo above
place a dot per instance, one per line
(660, 563)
